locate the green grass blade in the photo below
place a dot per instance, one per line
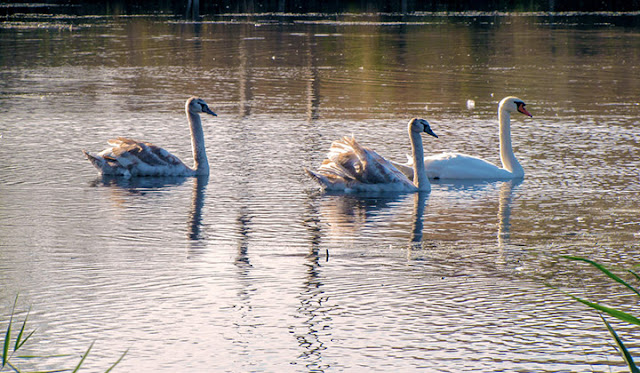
(637, 276)
(5, 348)
(7, 336)
(24, 340)
(623, 350)
(19, 337)
(610, 311)
(117, 362)
(15, 368)
(603, 270)
(84, 357)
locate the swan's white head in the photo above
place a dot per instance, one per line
(421, 125)
(513, 104)
(197, 105)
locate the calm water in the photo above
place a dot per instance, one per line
(253, 269)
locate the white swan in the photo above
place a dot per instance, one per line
(129, 157)
(462, 166)
(353, 168)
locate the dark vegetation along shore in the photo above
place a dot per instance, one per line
(312, 6)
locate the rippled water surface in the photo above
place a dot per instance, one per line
(253, 268)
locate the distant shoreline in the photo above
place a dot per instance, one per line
(124, 7)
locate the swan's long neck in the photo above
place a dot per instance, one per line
(420, 179)
(201, 165)
(509, 161)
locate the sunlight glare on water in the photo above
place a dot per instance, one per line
(255, 269)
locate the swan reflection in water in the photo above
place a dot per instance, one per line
(348, 215)
(481, 196)
(197, 202)
(138, 185)
(505, 201)
(479, 192)
(459, 210)
(466, 209)
(123, 188)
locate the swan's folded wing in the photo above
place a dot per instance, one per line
(338, 168)
(406, 169)
(128, 151)
(380, 170)
(341, 159)
(348, 159)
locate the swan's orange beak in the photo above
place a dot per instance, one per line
(523, 110)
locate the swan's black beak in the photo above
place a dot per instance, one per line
(428, 130)
(206, 109)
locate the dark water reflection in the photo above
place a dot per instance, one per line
(253, 269)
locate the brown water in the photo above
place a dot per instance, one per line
(253, 269)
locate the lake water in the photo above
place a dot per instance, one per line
(254, 269)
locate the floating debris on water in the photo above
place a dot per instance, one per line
(471, 104)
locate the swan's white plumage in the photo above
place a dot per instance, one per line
(462, 166)
(127, 157)
(351, 167)
(451, 165)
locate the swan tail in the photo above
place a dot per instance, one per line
(329, 181)
(107, 164)
(320, 179)
(97, 162)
